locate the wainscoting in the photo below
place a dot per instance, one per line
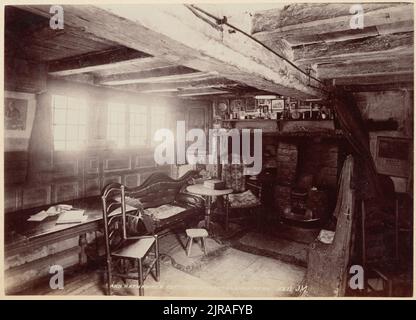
(73, 177)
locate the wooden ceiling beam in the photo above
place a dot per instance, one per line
(174, 32)
(354, 49)
(381, 67)
(373, 79)
(134, 65)
(95, 61)
(380, 87)
(182, 85)
(384, 18)
(201, 92)
(292, 14)
(168, 74)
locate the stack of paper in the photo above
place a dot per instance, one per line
(72, 216)
(39, 216)
(53, 211)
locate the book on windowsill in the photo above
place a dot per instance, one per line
(72, 216)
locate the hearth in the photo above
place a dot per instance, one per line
(306, 181)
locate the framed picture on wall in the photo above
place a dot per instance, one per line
(278, 105)
(393, 156)
(237, 105)
(250, 105)
(19, 114)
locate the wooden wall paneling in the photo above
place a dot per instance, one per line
(92, 175)
(66, 191)
(36, 196)
(111, 178)
(66, 168)
(12, 199)
(197, 117)
(92, 165)
(118, 163)
(92, 187)
(15, 167)
(145, 161)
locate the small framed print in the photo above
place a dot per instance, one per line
(278, 105)
(250, 105)
(237, 105)
(19, 114)
(393, 156)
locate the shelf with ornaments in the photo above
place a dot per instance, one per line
(280, 115)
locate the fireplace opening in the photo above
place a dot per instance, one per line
(307, 174)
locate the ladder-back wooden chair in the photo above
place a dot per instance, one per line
(243, 203)
(127, 256)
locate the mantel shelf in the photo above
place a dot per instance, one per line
(248, 120)
(291, 128)
(301, 134)
(276, 120)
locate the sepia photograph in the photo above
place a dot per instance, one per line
(223, 150)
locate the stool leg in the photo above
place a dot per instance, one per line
(227, 208)
(203, 245)
(188, 252)
(157, 259)
(141, 280)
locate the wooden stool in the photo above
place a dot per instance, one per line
(196, 233)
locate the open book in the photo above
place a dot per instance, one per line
(72, 216)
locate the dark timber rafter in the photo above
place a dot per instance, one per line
(95, 61)
(178, 35)
(392, 17)
(167, 74)
(371, 47)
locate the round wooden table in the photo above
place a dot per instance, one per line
(207, 193)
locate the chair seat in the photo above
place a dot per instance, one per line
(164, 211)
(137, 249)
(197, 233)
(243, 200)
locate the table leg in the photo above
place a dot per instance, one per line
(83, 245)
(208, 213)
(207, 218)
(227, 212)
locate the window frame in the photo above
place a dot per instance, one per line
(123, 106)
(147, 114)
(81, 143)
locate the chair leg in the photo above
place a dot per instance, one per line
(109, 277)
(188, 251)
(203, 245)
(124, 268)
(226, 214)
(157, 259)
(141, 280)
